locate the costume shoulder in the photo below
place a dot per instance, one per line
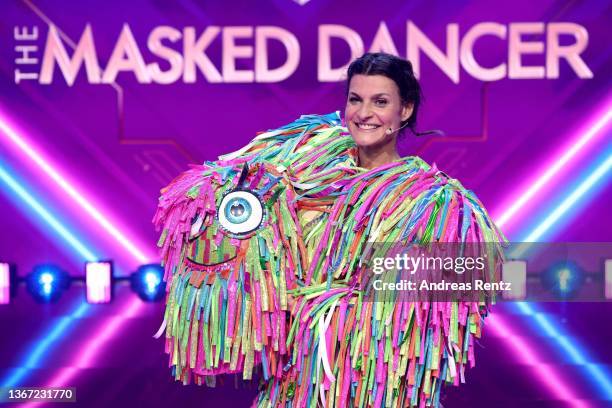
(308, 143)
(442, 210)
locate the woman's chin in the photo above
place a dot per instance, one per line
(367, 143)
(367, 139)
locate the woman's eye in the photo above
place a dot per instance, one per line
(353, 99)
(381, 102)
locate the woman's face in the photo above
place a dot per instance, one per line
(374, 106)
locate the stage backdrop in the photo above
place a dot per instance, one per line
(103, 103)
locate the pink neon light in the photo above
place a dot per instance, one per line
(64, 375)
(5, 284)
(98, 282)
(548, 376)
(593, 131)
(86, 355)
(16, 139)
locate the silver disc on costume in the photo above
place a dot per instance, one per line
(240, 212)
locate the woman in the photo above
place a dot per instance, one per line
(383, 97)
(350, 344)
(344, 344)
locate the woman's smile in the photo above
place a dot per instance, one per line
(367, 126)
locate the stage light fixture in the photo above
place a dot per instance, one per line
(563, 279)
(98, 280)
(47, 282)
(5, 283)
(148, 282)
(515, 272)
(608, 278)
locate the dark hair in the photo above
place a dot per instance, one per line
(397, 69)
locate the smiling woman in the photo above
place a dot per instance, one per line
(383, 97)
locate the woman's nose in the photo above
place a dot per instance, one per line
(364, 111)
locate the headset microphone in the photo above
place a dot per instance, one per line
(390, 130)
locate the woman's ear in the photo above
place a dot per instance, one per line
(407, 111)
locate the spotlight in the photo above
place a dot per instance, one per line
(148, 282)
(608, 279)
(98, 279)
(46, 283)
(563, 278)
(515, 272)
(5, 283)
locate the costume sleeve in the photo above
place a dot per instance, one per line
(442, 334)
(232, 318)
(365, 349)
(226, 305)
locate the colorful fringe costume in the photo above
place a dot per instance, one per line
(290, 295)
(226, 303)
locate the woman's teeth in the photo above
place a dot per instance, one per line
(367, 126)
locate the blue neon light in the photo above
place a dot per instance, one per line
(602, 171)
(17, 188)
(60, 328)
(570, 346)
(36, 354)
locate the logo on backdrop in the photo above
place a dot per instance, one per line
(173, 55)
